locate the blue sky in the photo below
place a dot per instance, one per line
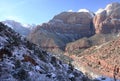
(39, 11)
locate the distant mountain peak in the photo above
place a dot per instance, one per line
(23, 29)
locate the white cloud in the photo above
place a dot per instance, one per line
(83, 10)
(70, 10)
(9, 10)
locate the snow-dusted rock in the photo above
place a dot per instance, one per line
(21, 60)
(107, 20)
(23, 29)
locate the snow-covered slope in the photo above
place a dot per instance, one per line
(99, 11)
(21, 60)
(110, 8)
(23, 29)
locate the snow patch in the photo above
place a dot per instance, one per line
(9, 63)
(29, 26)
(3, 41)
(103, 78)
(108, 6)
(70, 10)
(9, 25)
(66, 66)
(88, 11)
(54, 21)
(37, 67)
(99, 11)
(115, 19)
(31, 73)
(53, 68)
(83, 10)
(53, 75)
(19, 52)
(71, 75)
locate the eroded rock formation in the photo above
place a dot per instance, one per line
(108, 20)
(62, 29)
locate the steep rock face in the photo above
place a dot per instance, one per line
(83, 18)
(63, 28)
(101, 60)
(46, 40)
(108, 19)
(21, 60)
(18, 27)
(107, 26)
(78, 46)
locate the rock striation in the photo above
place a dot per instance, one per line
(101, 60)
(108, 20)
(78, 46)
(62, 29)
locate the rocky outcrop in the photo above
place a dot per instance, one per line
(108, 20)
(78, 46)
(62, 29)
(21, 60)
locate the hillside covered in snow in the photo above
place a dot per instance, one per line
(21, 60)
